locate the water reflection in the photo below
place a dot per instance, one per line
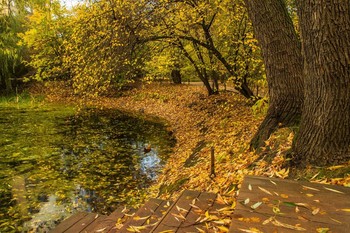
(53, 163)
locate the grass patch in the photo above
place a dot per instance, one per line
(22, 100)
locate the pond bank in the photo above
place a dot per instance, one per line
(224, 122)
(198, 122)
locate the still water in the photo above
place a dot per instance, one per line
(54, 162)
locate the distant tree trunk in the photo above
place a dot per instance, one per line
(202, 75)
(215, 78)
(281, 50)
(5, 85)
(176, 74)
(324, 135)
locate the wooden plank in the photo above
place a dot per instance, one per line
(204, 202)
(288, 183)
(120, 218)
(246, 220)
(294, 199)
(99, 225)
(82, 223)
(106, 223)
(161, 211)
(295, 190)
(69, 222)
(311, 205)
(172, 219)
(142, 215)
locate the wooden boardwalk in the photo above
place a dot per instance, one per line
(263, 205)
(275, 205)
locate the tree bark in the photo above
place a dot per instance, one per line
(176, 74)
(281, 49)
(324, 135)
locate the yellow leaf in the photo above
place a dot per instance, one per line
(223, 228)
(288, 226)
(265, 191)
(307, 187)
(200, 230)
(315, 211)
(322, 230)
(333, 190)
(251, 230)
(335, 167)
(140, 218)
(267, 221)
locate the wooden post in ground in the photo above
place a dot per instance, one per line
(212, 163)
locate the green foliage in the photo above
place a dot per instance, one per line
(98, 51)
(260, 107)
(11, 20)
(47, 29)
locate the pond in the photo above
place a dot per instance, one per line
(54, 162)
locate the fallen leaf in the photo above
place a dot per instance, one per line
(276, 210)
(246, 201)
(101, 230)
(315, 211)
(256, 205)
(273, 182)
(302, 218)
(307, 206)
(337, 221)
(223, 228)
(200, 230)
(267, 221)
(334, 190)
(335, 167)
(140, 218)
(288, 226)
(310, 188)
(251, 230)
(265, 191)
(179, 216)
(322, 230)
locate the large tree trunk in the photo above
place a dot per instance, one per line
(281, 50)
(324, 135)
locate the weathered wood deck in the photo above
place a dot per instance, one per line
(263, 205)
(275, 205)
